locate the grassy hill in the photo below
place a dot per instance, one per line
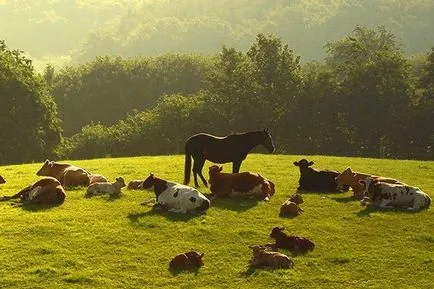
(104, 243)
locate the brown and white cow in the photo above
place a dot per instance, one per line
(46, 191)
(66, 174)
(394, 196)
(264, 258)
(350, 178)
(243, 184)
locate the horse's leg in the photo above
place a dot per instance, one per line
(197, 170)
(236, 166)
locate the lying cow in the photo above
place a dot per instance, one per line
(186, 261)
(350, 178)
(391, 196)
(66, 174)
(263, 258)
(292, 243)
(239, 184)
(175, 197)
(314, 180)
(291, 207)
(112, 189)
(46, 191)
(135, 185)
(2, 181)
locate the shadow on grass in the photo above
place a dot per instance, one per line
(135, 217)
(371, 209)
(234, 204)
(344, 199)
(175, 272)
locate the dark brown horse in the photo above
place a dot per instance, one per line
(232, 148)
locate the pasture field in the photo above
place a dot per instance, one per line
(116, 243)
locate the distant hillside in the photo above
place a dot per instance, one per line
(76, 31)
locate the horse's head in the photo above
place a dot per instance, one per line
(267, 141)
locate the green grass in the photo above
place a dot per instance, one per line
(103, 243)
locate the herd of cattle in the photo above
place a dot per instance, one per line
(381, 192)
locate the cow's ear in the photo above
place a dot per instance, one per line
(296, 164)
(310, 163)
(151, 175)
(281, 228)
(201, 255)
(220, 168)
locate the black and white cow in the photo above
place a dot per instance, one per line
(315, 180)
(176, 197)
(391, 196)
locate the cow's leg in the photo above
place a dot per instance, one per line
(197, 170)
(236, 166)
(20, 194)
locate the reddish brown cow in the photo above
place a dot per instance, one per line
(66, 174)
(187, 260)
(292, 243)
(244, 184)
(46, 191)
(352, 179)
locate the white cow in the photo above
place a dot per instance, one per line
(175, 197)
(390, 196)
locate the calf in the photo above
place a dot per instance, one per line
(175, 197)
(317, 181)
(391, 196)
(66, 174)
(2, 181)
(135, 185)
(239, 184)
(113, 189)
(187, 260)
(350, 178)
(262, 258)
(46, 191)
(291, 208)
(292, 243)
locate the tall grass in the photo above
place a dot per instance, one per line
(115, 243)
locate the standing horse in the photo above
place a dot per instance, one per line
(232, 148)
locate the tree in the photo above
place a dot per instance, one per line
(374, 90)
(29, 127)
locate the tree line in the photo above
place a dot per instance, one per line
(365, 99)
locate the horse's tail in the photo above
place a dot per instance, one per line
(187, 168)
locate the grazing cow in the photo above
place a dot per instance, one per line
(239, 184)
(135, 185)
(46, 191)
(186, 261)
(262, 258)
(66, 174)
(292, 243)
(291, 208)
(350, 178)
(316, 181)
(2, 181)
(175, 197)
(391, 196)
(112, 189)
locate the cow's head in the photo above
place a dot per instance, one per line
(195, 202)
(345, 178)
(297, 199)
(120, 181)
(46, 169)
(303, 163)
(149, 182)
(277, 232)
(195, 258)
(214, 170)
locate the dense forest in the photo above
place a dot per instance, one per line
(367, 98)
(74, 32)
